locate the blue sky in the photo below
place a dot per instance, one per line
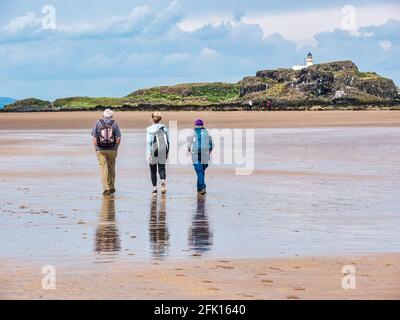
(110, 48)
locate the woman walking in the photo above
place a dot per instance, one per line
(200, 145)
(157, 141)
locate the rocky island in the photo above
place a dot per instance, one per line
(327, 86)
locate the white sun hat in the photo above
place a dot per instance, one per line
(108, 113)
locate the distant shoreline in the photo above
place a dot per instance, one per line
(337, 85)
(216, 108)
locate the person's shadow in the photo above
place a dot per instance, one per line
(200, 237)
(158, 228)
(107, 236)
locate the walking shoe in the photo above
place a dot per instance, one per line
(112, 190)
(154, 191)
(202, 192)
(106, 193)
(163, 187)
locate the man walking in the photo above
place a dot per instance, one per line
(200, 146)
(106, 140)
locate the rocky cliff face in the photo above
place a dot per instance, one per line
(337, 84)
(328, 84)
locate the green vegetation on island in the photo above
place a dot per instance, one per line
(334, 85)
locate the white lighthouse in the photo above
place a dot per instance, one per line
(309, 62)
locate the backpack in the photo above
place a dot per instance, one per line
(106, 135)
(160, 143)
(201, 141)
(201, 146)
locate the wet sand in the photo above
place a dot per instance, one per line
(377, 277)
(238, 119)
(324, 194)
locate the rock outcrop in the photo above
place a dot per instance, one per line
(251, 85)
(332, 84)
(28, 105)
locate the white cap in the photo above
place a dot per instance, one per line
(108, 113)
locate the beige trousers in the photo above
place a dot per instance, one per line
(107, 167)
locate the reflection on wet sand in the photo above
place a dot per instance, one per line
(200, 236)
(158, 229)
(107, 235)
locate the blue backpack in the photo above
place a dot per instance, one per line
(201, 146)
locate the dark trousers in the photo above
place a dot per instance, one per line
(201, 173)
(161, 172)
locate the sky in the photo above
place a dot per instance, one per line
(51, 49)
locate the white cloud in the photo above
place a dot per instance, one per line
(368, 34)
(140, 20)
(207, 52)
(176, 58)
(167, 17)
(146, 47)
(301, 26)
(28, 21)
(385, 45)
(114, 26)
(193, 23)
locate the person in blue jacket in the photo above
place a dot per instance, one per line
(200, 146)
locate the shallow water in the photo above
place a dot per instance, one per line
(330, 191)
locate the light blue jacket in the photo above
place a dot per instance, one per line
(151, 132)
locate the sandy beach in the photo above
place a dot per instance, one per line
(323, 195)
(292, 279)
(237, 119)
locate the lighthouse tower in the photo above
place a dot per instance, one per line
(309, 60)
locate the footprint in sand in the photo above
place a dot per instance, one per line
(275, 268)
(225, 267)
(267, 281)
(292, 297)
(299, 289)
